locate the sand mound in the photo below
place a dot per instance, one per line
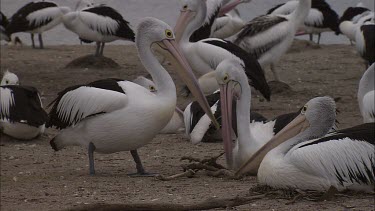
(91, 61)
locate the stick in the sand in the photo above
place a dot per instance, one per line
(205, 205)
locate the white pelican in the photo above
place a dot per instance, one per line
(296, 158)
(366, 95)
(36, 17)
(3, 24)
(268, 37)
(213, 11)
(21, 111)
(353, 18)
(227, 25)
(109, 115)
(175, 124)
(235, 100)
(321, 17)
(205, 55)
(365, 41)
(99, 23)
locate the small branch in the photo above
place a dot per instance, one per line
(205, 205)
(188, 173)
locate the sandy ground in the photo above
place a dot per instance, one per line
(34, 177)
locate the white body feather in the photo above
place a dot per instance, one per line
(366, 95)
(314, 167)
(227, 25)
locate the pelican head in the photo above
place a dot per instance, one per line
(190, 10)
(156, 32)
(232, 81)
(314, 121)
(9, 79)
(146, 83)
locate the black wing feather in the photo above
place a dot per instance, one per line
(123, 30)
(364, 132)
(19, 22)
(53, 116)
(205, 31)
(26, 108)
(369, 36)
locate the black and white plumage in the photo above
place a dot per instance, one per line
(297, 159)
(36, 17)
(113, 115)
(205, 55)
(21, 112)
(99, 23)
(3, 24)
(268, 37)
(365, 41)
(366, 95)
(352, 18)
(321, 17)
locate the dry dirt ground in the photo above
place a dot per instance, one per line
(34, 177)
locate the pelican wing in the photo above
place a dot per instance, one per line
(368, 110)
(107, 21)
(21, 104)
(24, 18)
(262, 33)
(76, 103)
(344, 157)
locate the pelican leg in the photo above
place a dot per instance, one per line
(40, 41)
(91, 158)
(32, 40)
(311, 37)
(275, 73)
(102, 49)
(97, 52)
(319, 36)
(140, 170)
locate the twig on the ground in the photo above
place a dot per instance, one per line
(213, 203)
(188, 173)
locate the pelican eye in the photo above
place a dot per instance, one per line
(152, 88)
(304, 109)
(169, 33)
(226, 78)
(185, 7)
(7, 82)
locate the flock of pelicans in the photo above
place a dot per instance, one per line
(298, 150)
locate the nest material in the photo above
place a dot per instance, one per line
(94, 62)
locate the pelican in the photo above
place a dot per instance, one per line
(175, 124)
(296, 158)
(365, 41)
(352, 19)
(21, 111)
(268, 37)
(36, 17)
(235, 94)
(110, 115)
(3, 24)
(205, 55)
(321, 17)
(366, 95)
(99, 23)
(227, 25)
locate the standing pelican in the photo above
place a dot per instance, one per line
(99, 23)
(36, 17)
(21, 112)
(268, 37)
(249, 137)
(321, 17)
(296, 158)
(352, 19)
(366, 95)
(175, 124)
(109, 115)
(205, 55)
